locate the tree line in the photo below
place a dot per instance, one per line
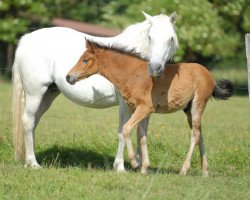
(208, 30)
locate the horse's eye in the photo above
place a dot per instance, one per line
(85, 61)
(172, 39)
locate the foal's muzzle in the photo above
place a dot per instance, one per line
(72, 79)
(155, 69)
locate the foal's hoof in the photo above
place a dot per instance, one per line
(183, 173)
(145, 171)
(205, 174)
(134, 164)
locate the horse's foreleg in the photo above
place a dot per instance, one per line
(142, 149)
(139, 114)
(124, 115)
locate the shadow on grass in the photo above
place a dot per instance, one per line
(62, 157)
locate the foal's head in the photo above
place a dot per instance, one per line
(86, 66)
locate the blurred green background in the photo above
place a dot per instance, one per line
(210, 32)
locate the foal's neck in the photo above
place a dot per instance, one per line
(122, 69)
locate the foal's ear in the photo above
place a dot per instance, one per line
(173, 17)
(90, 46)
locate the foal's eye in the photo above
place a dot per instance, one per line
(85, 61)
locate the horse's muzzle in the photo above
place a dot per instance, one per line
(155, 69)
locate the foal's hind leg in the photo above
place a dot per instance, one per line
(194, 114)
(204, 163)
(35, 106)
(124, 115)
(142, 149)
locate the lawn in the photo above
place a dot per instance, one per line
(76, 147)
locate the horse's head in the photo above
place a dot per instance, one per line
(85, 66)
(162, 42)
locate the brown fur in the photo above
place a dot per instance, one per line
(183, 86)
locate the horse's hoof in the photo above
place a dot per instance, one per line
(120, 169)
(119, 166)
(33, 166)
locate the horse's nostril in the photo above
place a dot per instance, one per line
(159, 69)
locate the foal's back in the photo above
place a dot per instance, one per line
(180, 84)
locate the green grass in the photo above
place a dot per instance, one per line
(76, 147)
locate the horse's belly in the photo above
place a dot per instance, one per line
(94, 92)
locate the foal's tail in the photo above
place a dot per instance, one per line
(17, 110)
(223, 89)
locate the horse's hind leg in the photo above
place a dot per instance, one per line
(194, 114)
(35, 106)
(48, 98)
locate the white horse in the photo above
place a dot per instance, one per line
(43, 59)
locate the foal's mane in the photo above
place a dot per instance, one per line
(120, 49)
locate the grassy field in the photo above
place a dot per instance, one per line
(76, 147)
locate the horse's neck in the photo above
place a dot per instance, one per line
(133, 37)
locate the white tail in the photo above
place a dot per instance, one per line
(17, 110)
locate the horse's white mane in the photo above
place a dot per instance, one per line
(138, 38)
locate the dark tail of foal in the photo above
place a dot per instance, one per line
(223, 90)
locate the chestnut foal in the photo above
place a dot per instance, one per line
(183, 86)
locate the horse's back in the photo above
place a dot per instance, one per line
(51, 44)
(40, 53)
(46, 55)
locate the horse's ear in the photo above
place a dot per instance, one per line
(147, 16)
(173, 17)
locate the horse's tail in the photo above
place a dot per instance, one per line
(17, 110)
(223, 89)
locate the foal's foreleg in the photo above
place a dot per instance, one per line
(142, 149)
(139, 114)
